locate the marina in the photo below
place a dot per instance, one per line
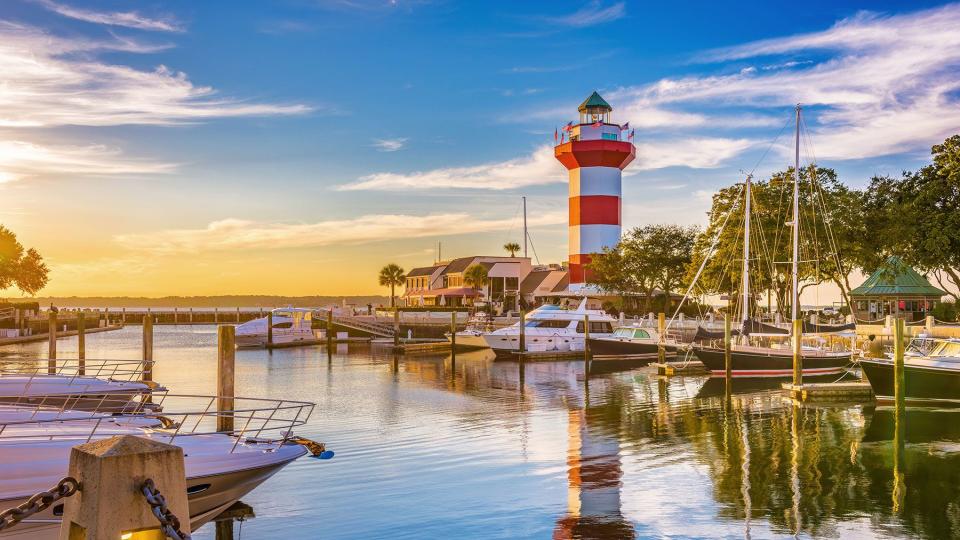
(723, 456)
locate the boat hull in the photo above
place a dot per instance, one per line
(469, 341)
(769, 363)
(618, 347)
(923, 385)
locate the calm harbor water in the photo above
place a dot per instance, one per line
(429, 448)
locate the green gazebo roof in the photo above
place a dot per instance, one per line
(594, 101)
(894, 278)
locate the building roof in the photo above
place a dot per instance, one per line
(894, 278)
(533, 280)
(594, 101)
(422, 271)
(562, 284)
(453, 291)
(458, 265)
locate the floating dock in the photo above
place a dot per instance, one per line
(837, 391)
(33, 338)
(680, 367)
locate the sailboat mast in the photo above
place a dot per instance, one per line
(745, 300)
(796, 223)
(524, 226)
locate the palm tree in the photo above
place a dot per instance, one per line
(392, 276)
(476, 277)
(512, 248)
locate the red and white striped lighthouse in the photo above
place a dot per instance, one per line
(595, 155)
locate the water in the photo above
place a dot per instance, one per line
(426, 449)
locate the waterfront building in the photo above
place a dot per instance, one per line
(442, 284)
(895, 289)
(595, 156)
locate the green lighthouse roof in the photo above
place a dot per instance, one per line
(896, 278)
(594, 102)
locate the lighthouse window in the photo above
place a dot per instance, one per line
(610, 136)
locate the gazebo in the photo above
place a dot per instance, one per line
(895, 289)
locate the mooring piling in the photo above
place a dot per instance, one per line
(269, 329)
(797, 358)
(453, 334)
(396, 327)
(81, 343)
(147, 349)
(661, 343)
(727, 358)
(115, 476)
(226, 358)
(586, 345)
(523, 332)
(52, 342)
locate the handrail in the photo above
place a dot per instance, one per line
(258, 415)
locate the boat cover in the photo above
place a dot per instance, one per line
(704, 335)
(755, 327)
(809, 328)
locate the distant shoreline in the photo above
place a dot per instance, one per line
(217, 301)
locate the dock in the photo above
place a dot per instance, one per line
(680, 367)
(34, 338)
(831, 392)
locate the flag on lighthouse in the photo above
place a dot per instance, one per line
(556, 135)
(625, 127)
(569, 126)
(630, 137)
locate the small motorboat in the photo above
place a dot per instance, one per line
(630, 341)
(290, 325)
(933, 379)
(471, 337)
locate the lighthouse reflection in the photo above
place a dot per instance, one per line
(644, 453)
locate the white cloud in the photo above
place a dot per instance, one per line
(21, 159)
(129, 19)
(390, 145)
(52, 81)
(233, 234)
(694, 152)
(592, 14)
(888, 85)
(540, 167)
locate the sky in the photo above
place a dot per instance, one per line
(296, 146)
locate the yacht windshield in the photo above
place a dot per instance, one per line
(547, 324)
(946, 348)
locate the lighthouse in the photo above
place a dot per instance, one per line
(595, 157)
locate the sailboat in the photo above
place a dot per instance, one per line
(749, 360)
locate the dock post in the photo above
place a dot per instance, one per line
(216, 315)
(661, 344)
(112, 473)
(396, 327)
(586, 346)
(331, 336)
(929, 324)
(147, 348)
(106, 317)
(727, 359)
(191, 315)
(269, 329)
(226, 355)
(238, 314)
(523, 332)
(52, 342)
(174, 316)
(898, 361)
(81, 343)
(453, 333)
(797, 358)
(123, 316)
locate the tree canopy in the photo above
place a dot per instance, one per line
(646, 259)
(475, 276)
(19, 267)
(512, 248)
(392, 276)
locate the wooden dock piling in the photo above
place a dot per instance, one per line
(396, 327)
(81, 344)
(586, 345)
(899, 353)
(661, 344)
(147, 349)
(226, 358)
(727, 357)
(523, 333)
(52, 342)
(269, 329)
(331, 335)
(797, 357)
(453, 334)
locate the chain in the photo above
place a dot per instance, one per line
(38, 503)
(169, 523)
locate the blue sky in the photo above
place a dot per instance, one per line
(205, 147)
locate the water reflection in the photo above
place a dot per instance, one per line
(436, 446)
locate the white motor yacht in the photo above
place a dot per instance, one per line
(290, 325)
(94, 384)
(551, 328)
(221, 467)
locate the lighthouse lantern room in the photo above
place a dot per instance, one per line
(595, 157)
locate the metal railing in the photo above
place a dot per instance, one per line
(114, 370)
(182, 415)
